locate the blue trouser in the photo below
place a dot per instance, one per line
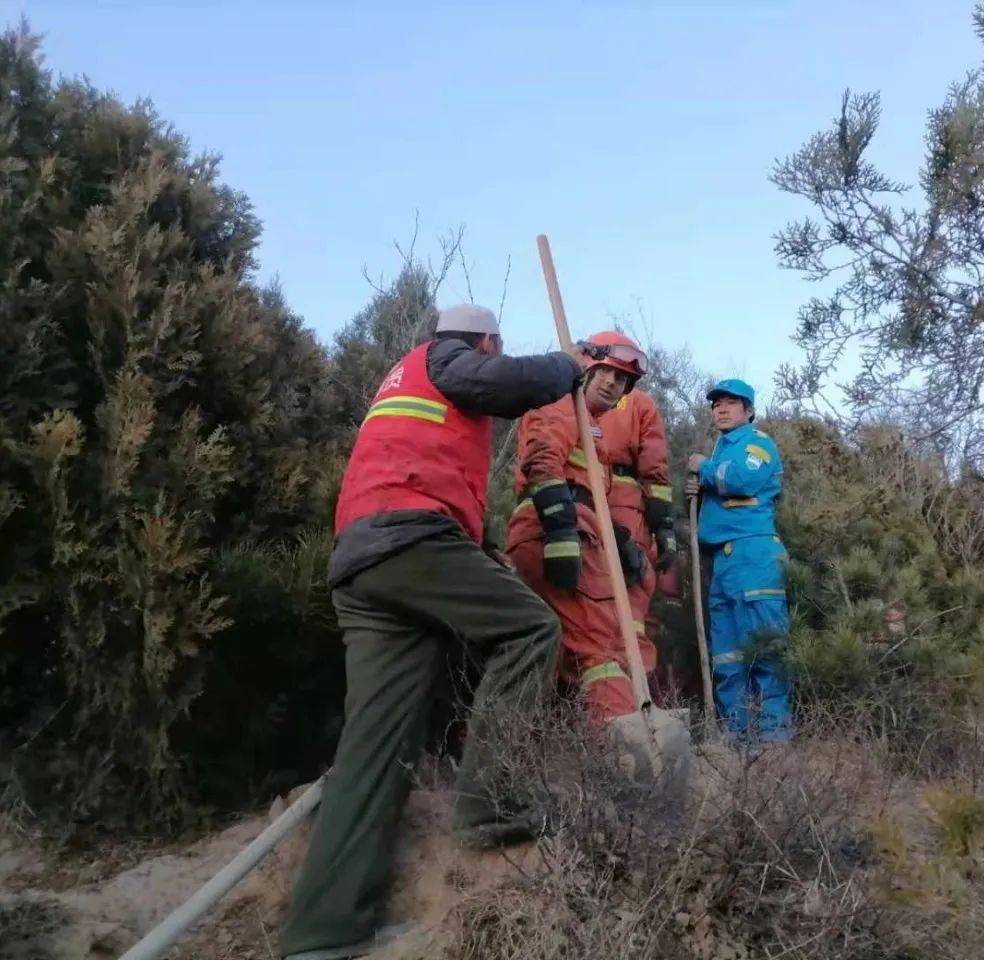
(749, 630)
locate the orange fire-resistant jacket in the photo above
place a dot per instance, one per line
(636, 442)
(592, 659)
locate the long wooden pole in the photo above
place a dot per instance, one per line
(698, 595)
(598, 492)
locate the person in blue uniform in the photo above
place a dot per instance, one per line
(749, 620)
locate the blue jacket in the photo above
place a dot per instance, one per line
(740, 482)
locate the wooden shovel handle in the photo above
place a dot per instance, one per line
(599, 494)
(698, 591)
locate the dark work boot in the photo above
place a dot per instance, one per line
(382, 937)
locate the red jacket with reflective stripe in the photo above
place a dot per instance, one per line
(417, 451)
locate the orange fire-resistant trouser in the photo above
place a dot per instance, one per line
(592, 658)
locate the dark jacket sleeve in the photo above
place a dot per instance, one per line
(499, 386)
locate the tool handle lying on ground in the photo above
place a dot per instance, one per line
(640, 686)
(156, 943)
(705, 662)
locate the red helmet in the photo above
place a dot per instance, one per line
(612, 349)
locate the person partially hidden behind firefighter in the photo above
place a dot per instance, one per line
(410, 578)
(739, 484)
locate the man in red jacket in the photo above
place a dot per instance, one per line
(410, 578)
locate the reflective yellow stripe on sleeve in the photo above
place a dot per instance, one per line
(660, 491)
(547, 483)
(619, 478)
(759, 452)
(640, 627)
(417, 407)
(576, 458)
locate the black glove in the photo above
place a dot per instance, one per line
(659, 519)
(630, 554)
(659, 514)
(561, 543)
(666, 546)
(562, 559)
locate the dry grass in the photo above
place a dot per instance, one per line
(27, 927)
(828, 848)
(815, 851)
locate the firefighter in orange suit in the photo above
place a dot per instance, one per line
(555, 538)
(641, 496)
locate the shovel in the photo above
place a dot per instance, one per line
(669, 735)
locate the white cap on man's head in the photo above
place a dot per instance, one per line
(468, 318)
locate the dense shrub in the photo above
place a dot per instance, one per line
(886, 595)
(171, 444)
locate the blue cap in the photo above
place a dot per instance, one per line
(732, 388)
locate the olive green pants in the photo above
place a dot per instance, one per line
(398, 620)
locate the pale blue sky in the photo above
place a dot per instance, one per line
(639, 136)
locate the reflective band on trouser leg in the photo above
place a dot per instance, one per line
(765, 592)
(561, 548)
(604, 671)
(607, 692)
(733, 656)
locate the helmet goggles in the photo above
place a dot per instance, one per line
(626, 357)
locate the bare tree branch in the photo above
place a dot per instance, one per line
(505, 286)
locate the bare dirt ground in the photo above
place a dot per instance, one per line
(53, 909)
(50, 912)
